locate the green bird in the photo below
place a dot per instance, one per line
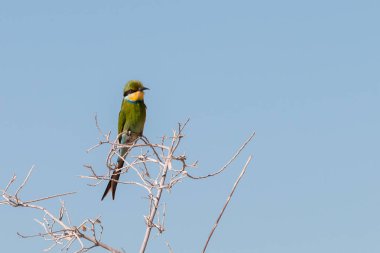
(130, 126)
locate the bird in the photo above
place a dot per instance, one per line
(131, 123)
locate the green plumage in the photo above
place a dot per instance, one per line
(130, 125)
(132, 117)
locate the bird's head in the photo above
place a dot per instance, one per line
(134, 91)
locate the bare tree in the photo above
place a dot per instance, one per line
(157, 168)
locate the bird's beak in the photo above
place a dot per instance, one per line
(144, 88)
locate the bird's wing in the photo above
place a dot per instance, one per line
(121, 123)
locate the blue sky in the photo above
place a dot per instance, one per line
(303, 74)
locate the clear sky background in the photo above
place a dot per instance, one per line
(303, 74)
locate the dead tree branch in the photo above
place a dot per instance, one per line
(157, 166)
(226, 204)
(57, 228)
(153, 167)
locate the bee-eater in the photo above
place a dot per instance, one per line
(130, 126)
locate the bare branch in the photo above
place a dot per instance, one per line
(169, 247)
(10, 182)
(227, 202)
(57, 228)
(49, 197)
(157, 167)
(25, 180)
(229, 162)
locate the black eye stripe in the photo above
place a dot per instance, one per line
(126, 93)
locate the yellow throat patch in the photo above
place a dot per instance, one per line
(136, 96)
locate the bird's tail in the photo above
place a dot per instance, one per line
(112, 184)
